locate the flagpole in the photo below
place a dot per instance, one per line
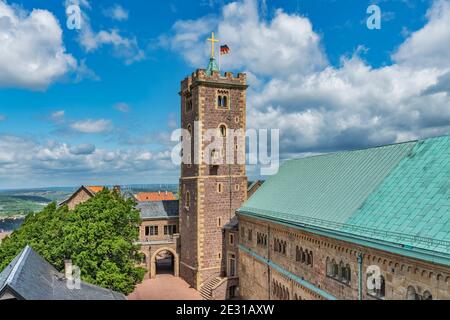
(220, 54)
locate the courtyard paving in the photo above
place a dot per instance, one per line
(164, 287)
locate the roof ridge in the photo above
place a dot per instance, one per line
(18, 265)
(369, 147)
(355, 150)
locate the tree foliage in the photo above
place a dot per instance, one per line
(97, 236)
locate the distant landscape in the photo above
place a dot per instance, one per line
(16, 204)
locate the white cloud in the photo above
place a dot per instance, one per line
(122, 107)
(319, 107)
(429, 46)
(58, 116)
(116, 12)
(287, 43)
(125, 48)
(92, 126)
(26, 162)
(32, 52)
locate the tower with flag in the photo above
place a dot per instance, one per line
(210, 193)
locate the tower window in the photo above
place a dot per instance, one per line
(219, 187)
(223, 130)
(231, 239)
(237, 187)
(236, 119)
(224, 102)
(223, 99)
(188, 199)
(219, 222)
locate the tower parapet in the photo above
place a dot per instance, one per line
(200, 76)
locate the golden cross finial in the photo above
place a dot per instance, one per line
(213, 41)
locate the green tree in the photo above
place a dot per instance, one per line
(98, 236)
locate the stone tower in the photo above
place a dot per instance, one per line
(210, 192)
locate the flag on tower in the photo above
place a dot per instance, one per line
(224, 49)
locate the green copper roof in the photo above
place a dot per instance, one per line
(212, 66)
(392, 197)
(414, 199)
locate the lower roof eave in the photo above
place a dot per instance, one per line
(411, 252)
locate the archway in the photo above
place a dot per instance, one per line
(164, 261)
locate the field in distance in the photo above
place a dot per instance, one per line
(15, 203)
(18, 203)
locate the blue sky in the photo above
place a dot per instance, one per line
(97, 105)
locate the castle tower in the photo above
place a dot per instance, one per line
(210, 191)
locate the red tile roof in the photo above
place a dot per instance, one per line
(95, 189)
(155, 196)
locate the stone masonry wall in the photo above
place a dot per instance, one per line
(399, 272)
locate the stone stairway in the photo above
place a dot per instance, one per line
(207, 288)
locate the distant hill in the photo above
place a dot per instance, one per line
(20, 202)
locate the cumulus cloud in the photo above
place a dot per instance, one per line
(26, 162)
(116, 12)
(82, 149)
(32, 52)
(123, 47)
(319, 107)
(429, 46)
(92, 126)
(287, 43)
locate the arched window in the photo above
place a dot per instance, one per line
(382, 290)
(411, 294)
(341, 272)
(308, 258)
(303, 255)
(427, 296)
(219, 101)
(188, 199)
(329, 267)
(335, 268)
(225, 102)
(223, 130)
(348, 273)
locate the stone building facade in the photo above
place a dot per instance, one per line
(288, 276)
(369, 224)
(81, 195)
(159, 235)
(210, 191)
